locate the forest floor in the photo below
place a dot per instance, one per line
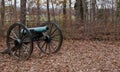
(74, 56)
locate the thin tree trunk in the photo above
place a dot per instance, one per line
(15, 11)
(79, 11)
(2, 13)
(70, 13)
(118, 8)
(23, 11)
(84, 19)
(48, 11)
(53, 9)
(85, 9)
(64, 11)
(93, 11)
(38, 12)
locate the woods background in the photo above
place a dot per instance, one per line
(78, 19)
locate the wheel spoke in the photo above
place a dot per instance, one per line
(49, 48)
(11, 42)
(19, 31)
(16, 52)
(55, 39)
(53, 32)
(14, 34)
(25, 46)
(55, 35)
(53, 46)
(14, 48)
(45, 47)
(16, 30)
(24, 37)
(12, 38)
(43, 44)
(19, 52)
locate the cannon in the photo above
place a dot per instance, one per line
(20, 39)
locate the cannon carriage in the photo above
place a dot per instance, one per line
(20, 39)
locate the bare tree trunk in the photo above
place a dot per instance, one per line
(64, 12)
(79, 9)
(70, 13)
(93, 14)
(84, 18)
(53, 11)
(118, 8)
(38, 12)
(15, 11)
(85, 10)
(23, 11)
(48, 11)
(2, 12)
(117, 17)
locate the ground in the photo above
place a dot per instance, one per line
(74, 56)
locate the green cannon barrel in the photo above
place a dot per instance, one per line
(39, 29)
(36, 29)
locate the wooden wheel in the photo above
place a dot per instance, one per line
(51, 41)
(19, 43)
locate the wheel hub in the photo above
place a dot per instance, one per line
(18, 42)
(47, 39)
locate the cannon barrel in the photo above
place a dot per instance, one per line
(36, 29)
(39, 29)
